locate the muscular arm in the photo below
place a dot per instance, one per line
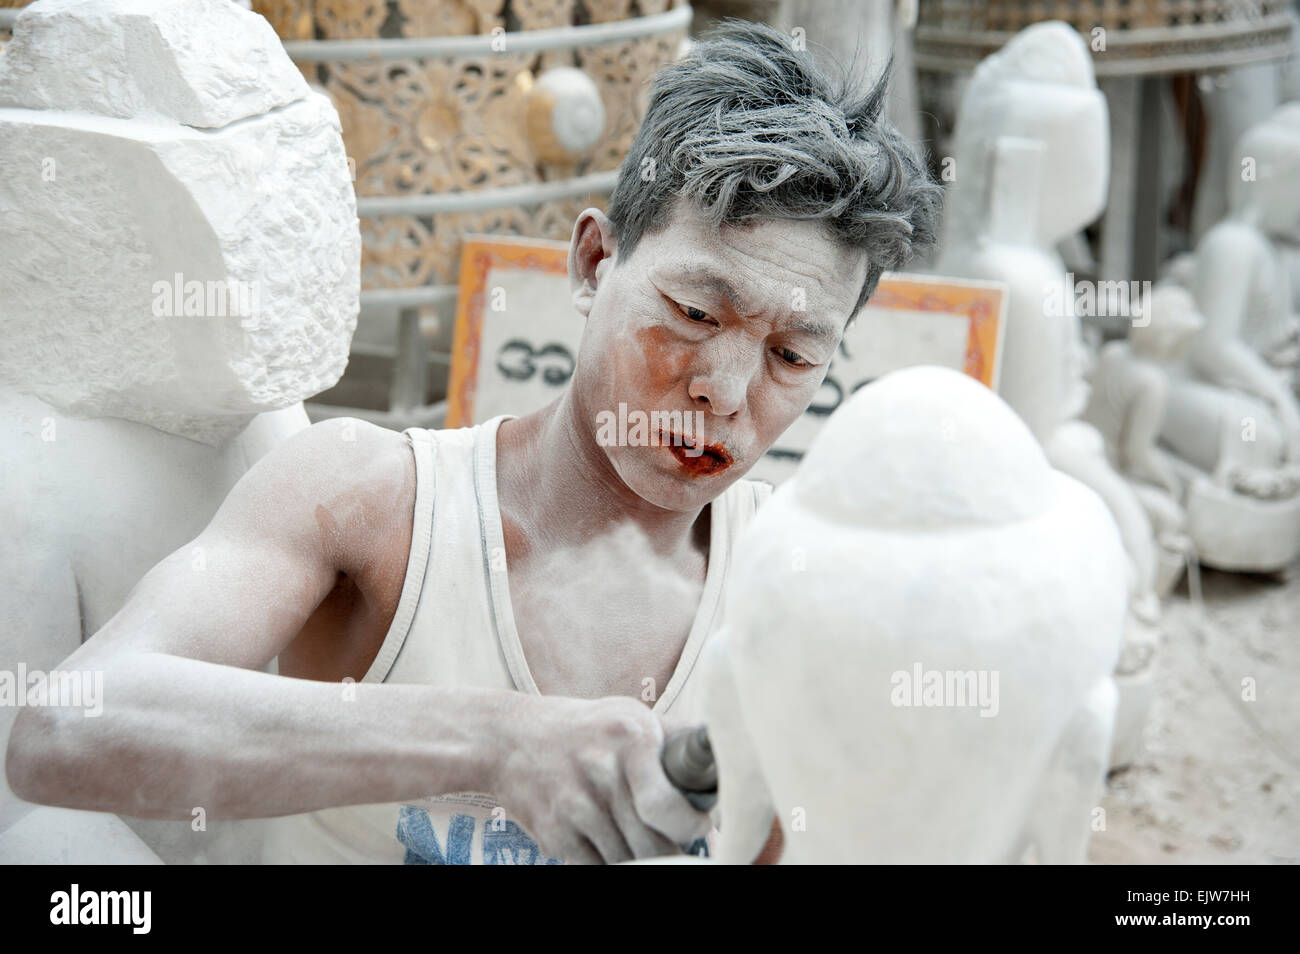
(188, 721)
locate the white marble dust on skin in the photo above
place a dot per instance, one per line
(589, 606)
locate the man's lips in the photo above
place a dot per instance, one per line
(695, 456)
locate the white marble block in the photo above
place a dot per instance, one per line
(193, 62)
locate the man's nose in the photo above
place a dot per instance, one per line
(721, 379)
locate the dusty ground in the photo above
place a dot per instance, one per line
(1219, 777)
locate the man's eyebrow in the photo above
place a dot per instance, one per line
(719, 286)
(817, 329)
(715, 283)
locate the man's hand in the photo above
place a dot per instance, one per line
(584, 778)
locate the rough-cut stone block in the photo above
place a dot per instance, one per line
(203, 63)
(103, 215)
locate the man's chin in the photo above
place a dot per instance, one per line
(680, 481)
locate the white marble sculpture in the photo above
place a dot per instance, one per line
(1233, 100)
(1031, 169)
(1128, 403)
(1288, 244)
(1233, 419)
(925, 535)
(179, 259)
(863, 36)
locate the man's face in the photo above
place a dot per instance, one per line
(729, 331)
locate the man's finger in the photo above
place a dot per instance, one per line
(605, 836)
(660, 804)
(582, 852)
(644, 841)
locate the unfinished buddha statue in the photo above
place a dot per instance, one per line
(938, 612)
(1233, 419)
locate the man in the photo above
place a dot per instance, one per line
(469, 623)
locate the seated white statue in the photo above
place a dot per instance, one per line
(180, 267)
(920, 631)
(1127, 405)
(1233, 419)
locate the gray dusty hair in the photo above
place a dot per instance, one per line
(746, 127)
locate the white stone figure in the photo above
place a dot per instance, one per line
(919, 635)
(1031, 168)
(862, 35)
(1233, 100)
(1233, 419)
(1128, 403)
(1287, 244)
(179, 259)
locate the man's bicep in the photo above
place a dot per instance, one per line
(225, 600)
(240, 591)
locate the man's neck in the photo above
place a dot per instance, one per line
(558, 486)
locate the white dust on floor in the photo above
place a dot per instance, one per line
(1218, 780)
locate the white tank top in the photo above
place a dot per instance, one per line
(454, 626)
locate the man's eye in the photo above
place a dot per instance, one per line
(694, 314)
(793, 357)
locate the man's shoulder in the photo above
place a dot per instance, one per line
(345, 474)
(347, 450)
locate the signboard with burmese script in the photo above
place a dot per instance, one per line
(517, 332)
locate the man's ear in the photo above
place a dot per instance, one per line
(591, 256)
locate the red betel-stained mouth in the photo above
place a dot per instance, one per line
(698, 459)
